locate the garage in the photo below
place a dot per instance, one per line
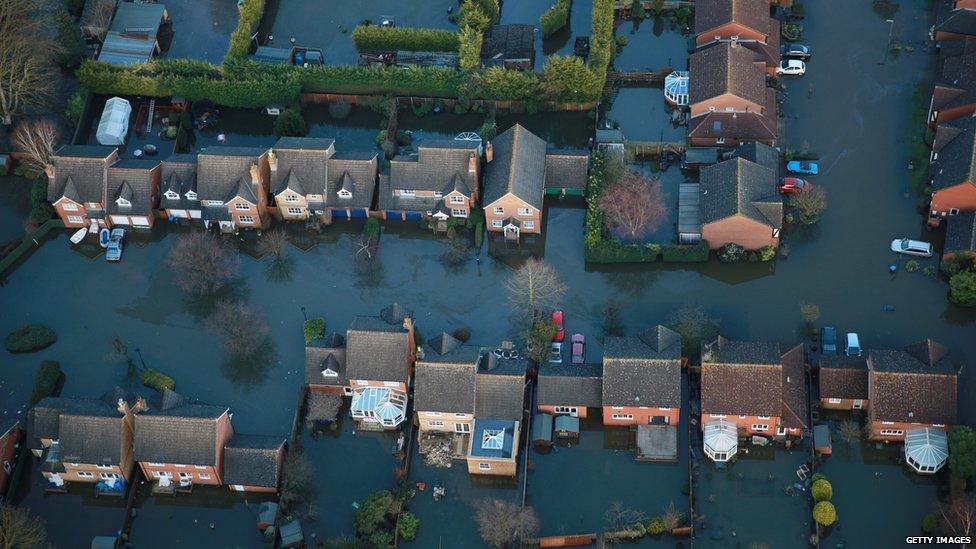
(339, 214)
(414, 216)
(357, 214)
(140, 221)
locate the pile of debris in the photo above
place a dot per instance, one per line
(436, 449)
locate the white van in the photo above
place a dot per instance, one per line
(853, 345)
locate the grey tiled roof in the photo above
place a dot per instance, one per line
(725, 68)
(185, 434)
(377, 350)
(85, 166)
(957, 86)
(843, 377)
(958, 21)
(180, 175)
(91, 436)
(518, 167)
(253, 460)
(570, 385)
(915, 385)
(760, 153)
(318, 359)
(711, 14)
(738, 186)
(566, 169)
(302, 165)
(360, 169)
(741, 378)
(643, 371)
(220, 170)
(743, 126)
(961, 232)
(796, 405)
(955, 143)
(444, 387)
(434, 166)
(131, 179)
(499, 396)
(509, 42)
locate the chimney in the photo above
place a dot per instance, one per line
(140, 406)
(273, 161)
(122, 406)
(488, 152)
(255, 178)
(473, 166)
(49, 171)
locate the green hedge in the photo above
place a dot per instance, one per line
(469, 48)
(554, 18)
(601, 36)
(377, 38)
(248, 19)
(503, 84)
(46, 382)
(157, 380)
(314, 329)
(679, 253)
(30, 338)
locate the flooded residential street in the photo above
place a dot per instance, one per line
(852, 108)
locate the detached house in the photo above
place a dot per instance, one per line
(570, 389)
(747, 22)
(757, 387)
(325, 366)
(642, 378)
(76, 184)
(232, 184)
(954, 95)
(439, 181)
(444, 386)
(133, 192)
(252, 463)
(952, 169)
(179, 198)
(515, 183)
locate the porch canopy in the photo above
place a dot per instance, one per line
(114, 124)
(721, 440)
(926, 450)
(381, 404)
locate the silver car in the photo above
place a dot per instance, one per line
(556, 352)
(908, 246)
(114, 250)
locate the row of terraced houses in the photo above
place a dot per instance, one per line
(310, 178)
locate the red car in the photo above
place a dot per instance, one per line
(557, 319)
(792, 185)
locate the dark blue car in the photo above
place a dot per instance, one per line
(828, 340)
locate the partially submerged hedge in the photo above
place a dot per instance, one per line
(248, 19)
(376, 38)
(314, 329)
(157, 380)
(30, 338)
(46, 382)
(554, 18)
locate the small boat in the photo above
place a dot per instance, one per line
(79, 235)
(103, 237)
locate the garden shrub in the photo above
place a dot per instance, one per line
(314, 328)
(824, 513)
(290, 123)
(30, 338)
(912, 265)
(479, 234)
(655, 526)
(822, 490)
(376, 38)
(248, 18)
(731, 253)
(929, 523)
(48, 376)
(554, 18)
(685, 252)
(474, 15)
(371, 227)
(962, 289)
(407, 527)
(470, 41)
(767, 253)
(157, 380)
(71, 47)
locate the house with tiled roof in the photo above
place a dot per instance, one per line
(10, 440)
(747, 22)
(352, 184)
(444, 385)
(758, 387)
(955, 20)
(642, 378)
(380, 355)
(731, 128)
(299, 175)
(954, 94)
(499, 408)
(570, 389)
(509, 46)
(325, 366)
(843, 382)
(232, 185)
(133, 192)
(77, 177)
(952, 169)
(739, 202)
(566, 172)
(515, 183)
(252, 463)
(179, 198)
(439, 181)
(960, 236)
(911, 388)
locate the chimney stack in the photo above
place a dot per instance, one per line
(473, 165)
(122, 406)
(49, 171)
(255, 177)
(488, 152)
(273, 161)
(140, 405)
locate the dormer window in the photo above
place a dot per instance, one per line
(191, 195)
(172, 195)
(329, 372)
(408, 193)
(122, 202)
(343, 193)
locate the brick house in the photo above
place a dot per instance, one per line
(954, 95)
(352, 184)
(952, 168)
(10, 434)
(252, 463)
(757, 386)
(731, 129)
(570, 389)
(956, 19)
(299, 175)
(642, 378)
(380, 354)
(740, 202)
(232, 184)
(499, 408)
(82, 440)
(444, 386)
(439, 181)
(325, 366)
(133, 192)
(76, 184)
(182, 441)
(911, 388)
(515, 183)
(747, 22)
(179, 198)
(843, 382)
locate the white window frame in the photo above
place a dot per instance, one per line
(107, 476)
(408, 193)
(719, 140)
(247, 219)
(122, 202)
(103, 466)
(69, 207)
(154, 464)
(760, 427)
(343, 193)
(833, 401)
(204, 476)
(497, 223)
(242, 206)
(622, 416)
(391, 384)
(718, 416)
(781, 431)
(762, 417)
(291, 198)
(295, 211)
(528, 224)
(185, 475)
(75, 219)
(432, 423)
(190, 195)
(565, 409)
(891, 432)
(462, 427)
(457, 199)
(459, 212)
(484, 466)
(434, 414)
(85, 474)
(858, 404)
(498, 210)
(214, 202)
(199, 466)
(953, 211)
(172, 195)
(525, 211)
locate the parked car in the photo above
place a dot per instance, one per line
(791, 185)
(795, 51)
(908, 246)
(556, 353)
(853, 345)
(808, 167)
(578, 342)
(114, 250)
(557, 319)
(791, 67)
(828, 341)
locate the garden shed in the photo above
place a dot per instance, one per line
(542, 430)
(132, 36)
(821, 440)
(926, 450)
(721, 440)
(114, 124)
(567, 426)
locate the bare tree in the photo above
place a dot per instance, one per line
(201, 263)
(19, 529)
(241, 328)
(534, 286)
(809, 205)
(273, 243)
(633, 204)
(959, 514)
(849, 431)
(672, 517)
(297, 479)
(27, 75)
(96, 18)
(810, 312)
(36, 139)
(501, 522)
(620, 517)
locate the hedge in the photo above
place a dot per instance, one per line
(248, 19)
(157, 380)
(46, 382)
(377, 38)
(554, 18)
(30, 338)
(314, 329)
(601, 36)
(469, 48)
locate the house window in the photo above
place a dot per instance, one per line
(858, 404)
(434, 414)
(361, 382)
(833, 400)
(172, 195)
(462, 427)
(892, 432)
(887, 422)
(242, 206)
(69, 207)
(775, 233)
(190, 195)
(247, 219)
(484, 466)
(74, 219)
(762, 417)
(391, 384)
(622, 416)
(498, 210)
(102, 466)
(525, 211)
(718, 416)
(213, 202)
(107, 476)
(186, 475)
(204, 476)
(435, 423)
(529, 224)
(343, 193)
(742, 417)
(663, 409)
(152, 464)
(462, 416)
(179, 465)
(291, 198)
(496, 223)
(294, 211)
(199, 466)
(166, 474)
(85, 474)
(565, 410)
(459, 212)
(760, 427)
(408, 193)
(7, 467)
(457, 199)
(953, 211)
(618, 407)
(123, 202)
(781, 432)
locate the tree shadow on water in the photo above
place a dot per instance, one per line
(250, 371)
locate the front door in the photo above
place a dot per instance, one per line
(511, 232)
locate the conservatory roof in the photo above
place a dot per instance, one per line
(720, 436)
(926, 449)
(382, 403)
